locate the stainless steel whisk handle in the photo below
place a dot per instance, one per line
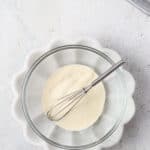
(104, 75)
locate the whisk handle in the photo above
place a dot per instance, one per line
(108, 72)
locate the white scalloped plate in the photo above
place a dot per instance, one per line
(17, 84)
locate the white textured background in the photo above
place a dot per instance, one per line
(30, 24)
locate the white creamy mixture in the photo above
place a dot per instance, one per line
(66, 80)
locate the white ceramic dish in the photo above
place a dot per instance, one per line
(17, 85)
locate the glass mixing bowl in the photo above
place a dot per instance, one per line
(32, 91)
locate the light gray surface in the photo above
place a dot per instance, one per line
(30, 24)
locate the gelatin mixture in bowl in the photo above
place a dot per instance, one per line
(63, 70)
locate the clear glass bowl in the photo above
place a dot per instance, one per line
(143, 5)
(32, 91)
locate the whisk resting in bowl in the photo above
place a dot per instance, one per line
(66, 103)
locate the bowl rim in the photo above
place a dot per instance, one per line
(23, 97)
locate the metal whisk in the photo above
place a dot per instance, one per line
(66, 103)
